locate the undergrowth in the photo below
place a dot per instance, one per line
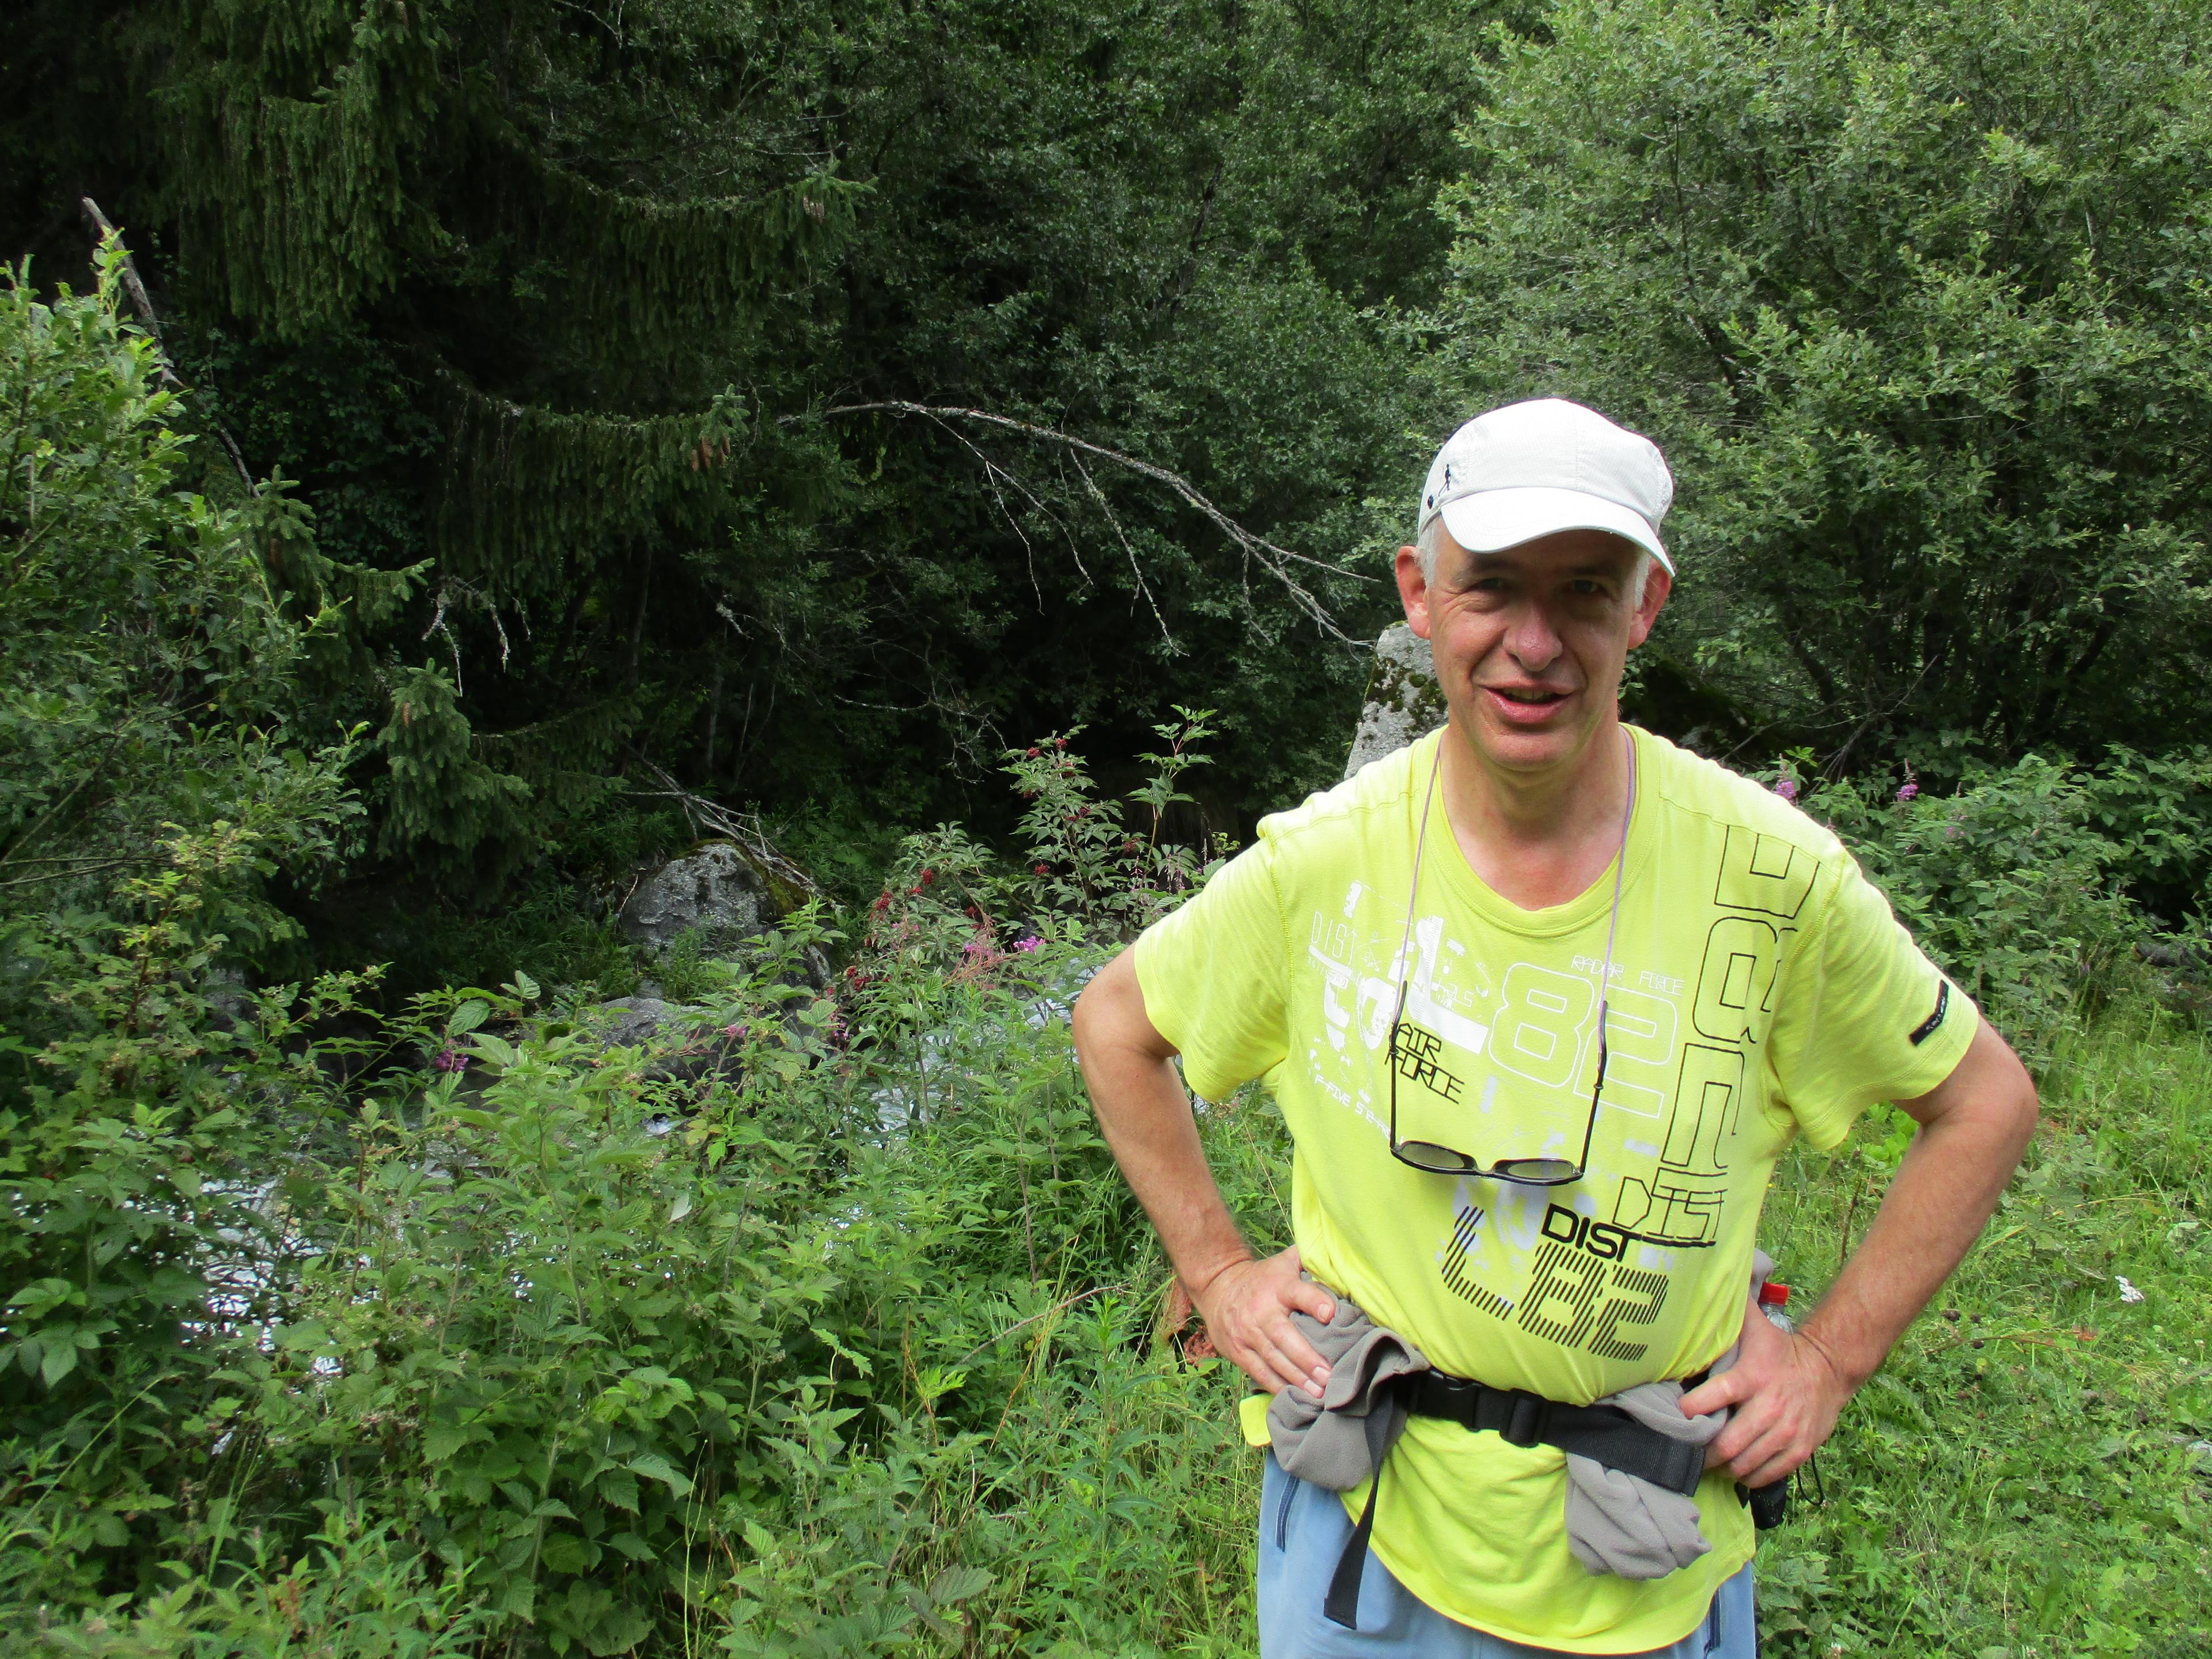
(825, 1325)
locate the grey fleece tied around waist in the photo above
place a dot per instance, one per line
(1616, 1523)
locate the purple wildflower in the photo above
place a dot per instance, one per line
(735, 1033)
(1028, 942)
(450, 1058)
(1906, 791)
(1786, 788)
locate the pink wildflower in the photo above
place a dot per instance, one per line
(1028, 942)
(1786, 788)
(450, 1058)
(1907, 791)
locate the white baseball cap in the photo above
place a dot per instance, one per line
(1532, 467)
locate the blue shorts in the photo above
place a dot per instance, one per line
(1302, 1529)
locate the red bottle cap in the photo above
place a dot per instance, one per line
(1771, 1295)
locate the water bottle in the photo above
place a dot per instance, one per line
(1771, 1504)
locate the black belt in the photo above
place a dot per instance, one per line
(1604, 1434)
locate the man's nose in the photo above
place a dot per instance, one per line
(1533, 640)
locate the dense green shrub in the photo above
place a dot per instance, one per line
(150, 789)
(2027, 883)
(1915, 298)
(147, 662)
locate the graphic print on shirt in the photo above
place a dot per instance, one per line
(1763, 882)
(1505, 1067)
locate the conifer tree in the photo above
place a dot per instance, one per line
(621, 318)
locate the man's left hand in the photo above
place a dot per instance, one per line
(1786, 1393)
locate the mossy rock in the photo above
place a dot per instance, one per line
(1404, 701)
(718, 890)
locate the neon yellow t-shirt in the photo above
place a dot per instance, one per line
(1760, 987)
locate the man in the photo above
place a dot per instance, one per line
(1420, 962)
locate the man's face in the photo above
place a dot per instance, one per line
(1530, 642)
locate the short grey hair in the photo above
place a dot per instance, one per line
(1429, 543)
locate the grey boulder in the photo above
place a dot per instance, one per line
(714, 889)
(1404, 701)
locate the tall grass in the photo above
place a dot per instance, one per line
(2019, 1479)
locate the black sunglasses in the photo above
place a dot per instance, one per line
(1412, 1060)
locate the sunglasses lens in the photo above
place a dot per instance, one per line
(1538, 1171)
(1439, 1160)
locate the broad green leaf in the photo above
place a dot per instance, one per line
(564, 1552)
(653, 1467)
(59, 1361)
(441, 1440)
(957, 1584)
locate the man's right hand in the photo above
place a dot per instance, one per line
(1146, 1119)
(1247, 1310)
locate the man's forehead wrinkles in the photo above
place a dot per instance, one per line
(1511, 562)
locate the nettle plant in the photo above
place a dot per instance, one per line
(1093, 870)
(1091, 858)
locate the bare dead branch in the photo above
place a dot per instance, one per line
(1277, 560)
(742, 827)
(1135, 569)
(136, 291)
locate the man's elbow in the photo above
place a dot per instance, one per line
(2012, 1100)
(1989, 1097)
(1102, 1012)
(1112, 1029)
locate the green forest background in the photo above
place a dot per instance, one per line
(570, 416)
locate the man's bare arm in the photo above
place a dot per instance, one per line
(1147, 1119)
(1789, 1389)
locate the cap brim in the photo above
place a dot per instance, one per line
(1492, 520)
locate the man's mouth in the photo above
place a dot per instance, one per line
(1527, 697)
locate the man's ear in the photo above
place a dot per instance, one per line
(1657, 587)
(1413, 590)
